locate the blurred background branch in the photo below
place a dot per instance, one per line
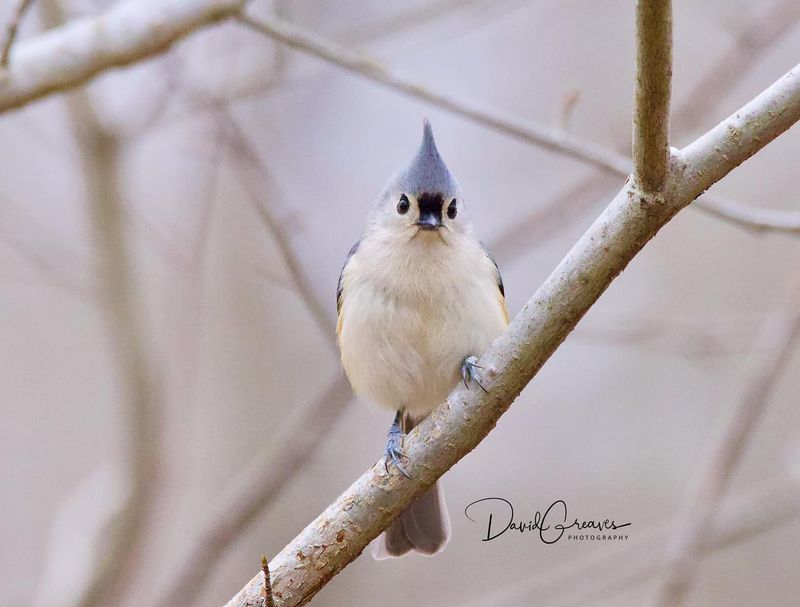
(338, 535)
(763, 30)
(252, 492)
(608, 574)
(549, 138)
(139, 384)
(11, 34)
(691, 532)
(73, 54)
(248, 168)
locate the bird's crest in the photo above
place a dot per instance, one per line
(427, 172)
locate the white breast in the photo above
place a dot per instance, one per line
(411, 314)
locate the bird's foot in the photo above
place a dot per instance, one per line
(470, 373)
(394, 446)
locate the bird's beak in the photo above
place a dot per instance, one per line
(429, 221)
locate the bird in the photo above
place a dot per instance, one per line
(419, 300)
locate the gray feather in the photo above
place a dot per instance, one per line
(423, 527)
(352, 252)
(427, 172)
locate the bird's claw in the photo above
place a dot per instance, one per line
(470, 373)
(394, 448)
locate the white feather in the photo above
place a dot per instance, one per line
(414, 305)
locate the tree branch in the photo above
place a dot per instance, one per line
(651, 100)
(760, 30)
(258, 486)
(11, 34)
(456, 427)
(763, 31)
(140, 388)
(130, 31)
(779, 337)
(73, 54)
(550, 139)
(546, 137)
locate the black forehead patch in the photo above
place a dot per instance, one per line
(430, 203)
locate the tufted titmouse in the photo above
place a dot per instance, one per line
(419, 298)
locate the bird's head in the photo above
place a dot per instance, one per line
(422, 199)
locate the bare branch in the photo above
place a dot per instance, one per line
(140, 389)
(11, 33)
(780, 335)
(653, 84)
(269, 600)
(257, 487)
(456, 427)
(71, 55)
(750, 218)
(541, 224)
(130, 31)
(548, 138)
(762, 32)
(256, 180)
(254, 490)
(139, 386)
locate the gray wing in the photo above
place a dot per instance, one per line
(496, 271)
(352, 252)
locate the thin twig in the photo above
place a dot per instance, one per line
(65, 58)
(254, 489)
(258, 486)
(139, 385)
(338, 535)
(358, 63)
(140, 388)
(543, 223)
(698, 107)
(257, 182)
(11, 32)
(269, 599)
(780, 336)
(568, 105)
(653, 86)
(548, 138)
(757, 34)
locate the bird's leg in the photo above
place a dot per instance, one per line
(469, 372)
(394, 445)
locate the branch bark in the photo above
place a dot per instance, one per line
(130, 31)
(651, 100)
(456, 427)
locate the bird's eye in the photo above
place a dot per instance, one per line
(403, 205)
(452, 210)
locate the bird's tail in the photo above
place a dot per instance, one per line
(423, 527)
